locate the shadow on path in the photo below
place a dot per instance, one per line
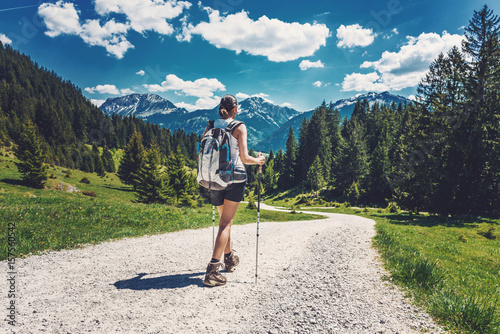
(163, 282)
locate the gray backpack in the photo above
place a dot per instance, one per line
(216, 169)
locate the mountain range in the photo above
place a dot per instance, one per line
(268, 124)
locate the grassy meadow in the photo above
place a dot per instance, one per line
(54, 219)
(449, 265)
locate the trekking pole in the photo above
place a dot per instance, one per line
(258, 219)
(213, 227)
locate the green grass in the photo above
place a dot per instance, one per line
(54, 220)
(450, 265)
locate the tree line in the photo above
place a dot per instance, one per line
(440, 153)
(65, 120)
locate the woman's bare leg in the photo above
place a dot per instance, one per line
(227, 211)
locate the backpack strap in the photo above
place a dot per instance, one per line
(210, 124)
(233, 125)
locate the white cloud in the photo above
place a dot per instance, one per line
(306, 64)
(242, 96)
(108, 89)
(405, 68)
(263, 96)
(363, 82)
(97, 102)
(320, 84)
(5, 40)
(201, 103)
(126, 91)
(141, 15)
(278, 41)
(286, 104)
(63, 18)
(141, 73)
(202, 88)
(60, 18)
(317, 83)
(354, 35)
(145, 15)
(112, 36)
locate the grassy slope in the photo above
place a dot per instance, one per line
(53, 220)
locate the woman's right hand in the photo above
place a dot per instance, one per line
(261, 159)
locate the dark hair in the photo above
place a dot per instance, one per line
(227, 103)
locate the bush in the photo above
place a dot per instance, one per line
(392, 207)
(52, 176)
(251, 203)
(489, 234)
(85, 180)
(89, 193)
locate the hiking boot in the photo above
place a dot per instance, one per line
(231, 261)
(213, 276)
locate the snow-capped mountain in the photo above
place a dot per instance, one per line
(261, 117)
(345, 108)
(268, 124)
(140, 105)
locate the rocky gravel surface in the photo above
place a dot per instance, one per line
(318, 276)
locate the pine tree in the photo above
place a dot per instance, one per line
(178, 178)
(96, 157)
(269, 177)
(151, 186)
(132, 160)
(288, 178)
(31, 157)
(107, 160)
(480, 186)
(315, 177)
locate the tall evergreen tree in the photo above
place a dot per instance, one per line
(98, 164)
(107, 160)
(288, 178)
(178, 178)
(151, 186)
(132, 160)
(31, 157)
(315, 179)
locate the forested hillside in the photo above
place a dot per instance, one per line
(440, 154)
(66, 120)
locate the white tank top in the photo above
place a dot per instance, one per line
(235, 149)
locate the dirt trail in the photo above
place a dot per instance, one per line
(314, 277)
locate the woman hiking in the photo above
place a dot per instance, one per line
(227, 200)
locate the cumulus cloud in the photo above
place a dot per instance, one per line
(354, 35)
(141, 73)
(242, 96)
(108, 89)
(277, 40)
(201, 103)
(141, 15)
(202, 88)
(5, 40)
(97, 102)
(318, 84)
(286, 104)
(307, 64)
(145, 15)
(405, 68)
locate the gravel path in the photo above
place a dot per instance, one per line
(314, 277)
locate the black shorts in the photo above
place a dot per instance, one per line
(234, 192)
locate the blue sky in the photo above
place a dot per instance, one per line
(292, 53)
